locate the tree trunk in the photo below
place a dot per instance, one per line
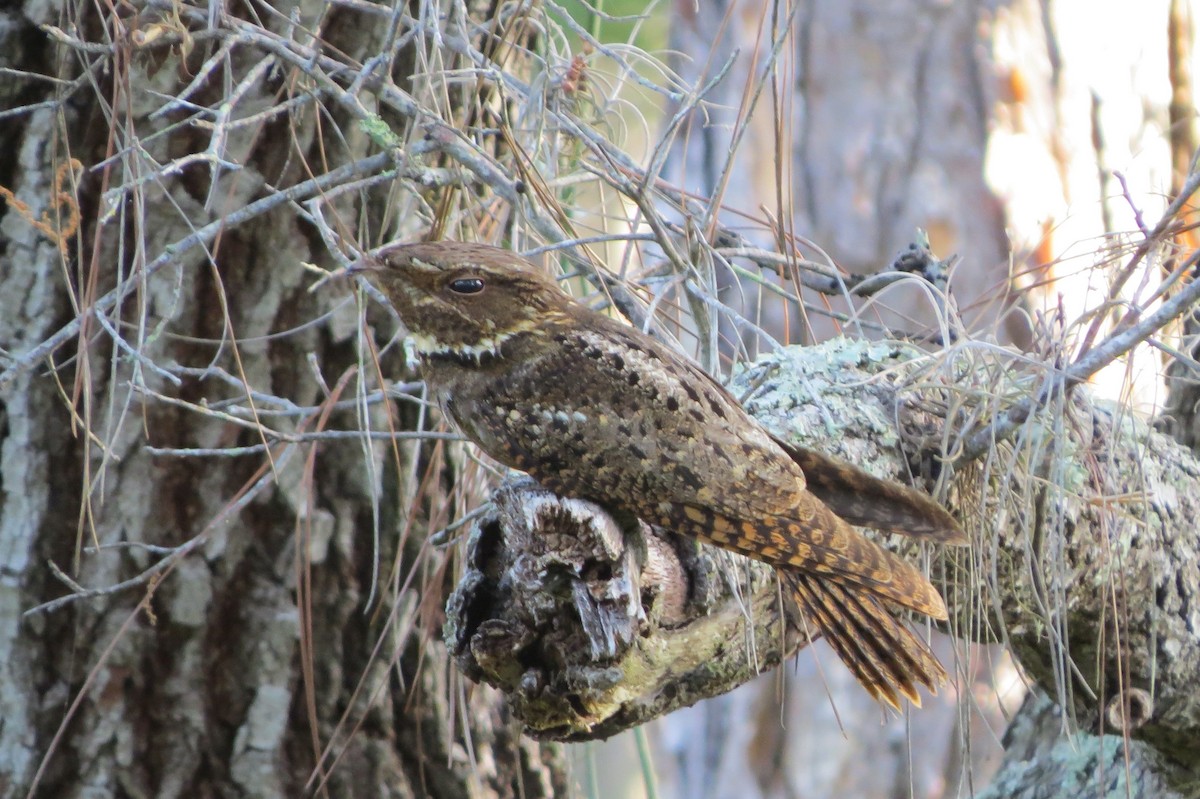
(278, 632)
(1041, 762)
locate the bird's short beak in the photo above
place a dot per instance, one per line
(364, 264)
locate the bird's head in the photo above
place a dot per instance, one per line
(465, 300)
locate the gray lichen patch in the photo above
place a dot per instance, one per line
(806, 396)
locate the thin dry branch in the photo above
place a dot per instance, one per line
(1118, 343)
(32, 357)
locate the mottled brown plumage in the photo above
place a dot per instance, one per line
(595, 409)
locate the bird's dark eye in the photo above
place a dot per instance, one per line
(466, 285)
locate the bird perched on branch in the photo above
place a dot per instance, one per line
(592, 408)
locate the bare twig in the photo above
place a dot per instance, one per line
(203, 235)
(1087, 364)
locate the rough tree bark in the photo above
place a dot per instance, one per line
(276, 646)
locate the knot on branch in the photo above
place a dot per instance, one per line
(555, 596)
(1129, 710)
(590, 626)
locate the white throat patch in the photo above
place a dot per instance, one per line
(428, 346)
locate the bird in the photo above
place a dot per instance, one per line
(593, 408)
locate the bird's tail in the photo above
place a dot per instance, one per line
(882, 652)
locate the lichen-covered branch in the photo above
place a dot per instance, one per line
(1040, 762)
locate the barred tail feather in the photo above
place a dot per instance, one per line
(865, 500)
(884, 655)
